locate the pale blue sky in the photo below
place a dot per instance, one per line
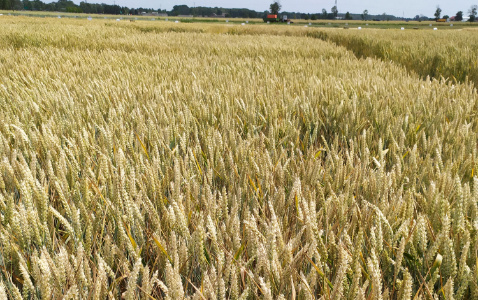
(408, 7)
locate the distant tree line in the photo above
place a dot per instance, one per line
(459, 16)
(214, 11)
(347, 16)
(96, 8)
(70, 6)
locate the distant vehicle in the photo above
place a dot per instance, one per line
(275, 18)
(441, 20)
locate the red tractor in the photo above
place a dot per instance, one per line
(275, 18)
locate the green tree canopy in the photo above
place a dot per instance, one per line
(437, 13)
(364, 15)
(275, 8)
(335, 11)
(472, 12)
(459, 16)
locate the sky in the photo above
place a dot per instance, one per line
(408, 8)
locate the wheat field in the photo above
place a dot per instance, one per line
(186, 161)
(448, 53)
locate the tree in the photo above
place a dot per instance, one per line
(437, 13)
(13, 5)
(385, 16)
(275, 8)
(324, 13)
(446, 17)
(313, 17)
(472, 12)
(180, 10)
(348, 16)
(27, 5)
(364, 14)
(335, 11)
(459, 16)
